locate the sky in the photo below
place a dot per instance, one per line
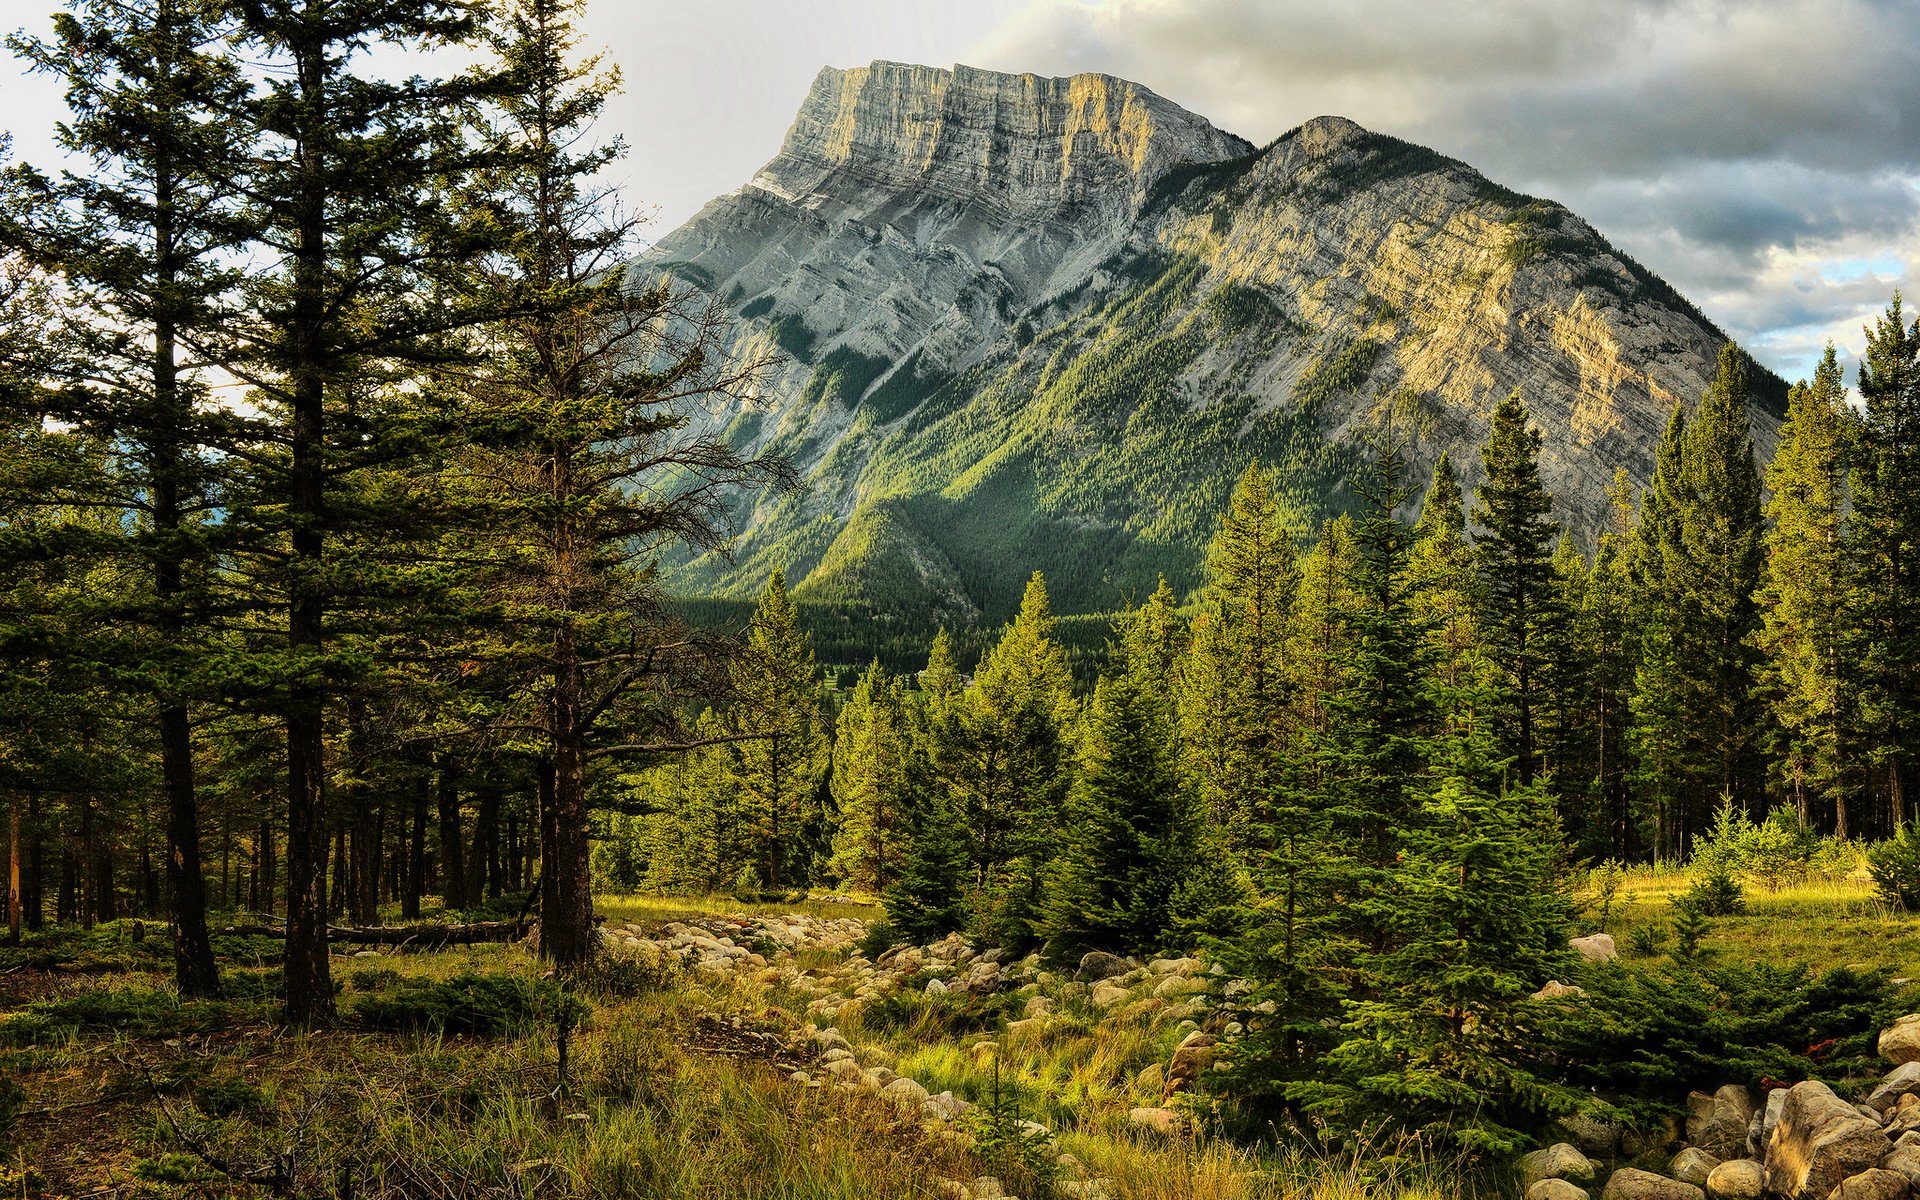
(1762, 155)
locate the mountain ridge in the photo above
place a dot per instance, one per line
(1043, 323)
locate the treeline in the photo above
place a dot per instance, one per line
(1715, 648)
(336, 450)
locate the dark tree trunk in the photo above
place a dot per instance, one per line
(364, 825)
(416, 872)
(453, 869)
(484, 869)
(566, 899)
(15, 914)
(36, 865)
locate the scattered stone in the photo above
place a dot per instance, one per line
(1174, 986)
(1591, 1134)
(1107, 994)
(944, 1107)
(1191, 1059)
(1174, 966)
(1903, 1080)
(1737, 1179)
(1630, 1184)
(1555, 1189)
(1819, 1142)
(1558, 1161)
(1152, 1078)
(906, 1092)
(1083, 1189)
(1037, 1006)
(1660, 1139)
(1595, 947)
(1098, 964)
(1554, 990)
(936, 987)
(1163, 1121)
(1692, 1165)
(1718, 1123)
(1900, 1042)
(1874, 1184)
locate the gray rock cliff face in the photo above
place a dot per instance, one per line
(1036, 322)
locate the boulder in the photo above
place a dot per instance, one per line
(1629, 1183)
(1151, 1079)
(1875, 1184)
(1591, 1134)
(1737, 1179)
(1900, 1042)
(1558, 1161)
(906, 1092)
(1903, 1080)
(1770, 1118)
(1718, 1123)
(1555, 1189)
(1037, 1006)
(1692, 1165)
(944, 1107)
(936, 987)
(1819, 1142)
(1595, 947)
(1163, 1121)
(1174, 986)
(1107, 994)
(1174, 966)
(1904, 1116)
(1098, 964)
(1905, 1157)
(1191, 1059)
(1659, 1139)
(1555, 990)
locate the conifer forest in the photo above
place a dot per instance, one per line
(384, 816)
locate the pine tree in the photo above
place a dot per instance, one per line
(1476, 919)
(1804, 598)
(1130, 833)
(1887, 562)
(1514, 549)
(1236, 692)
(871, 783)
(928, 899)
(1317, 635)
(777, 766)
(1604, 630)
(1009, 763)
(1443, 572)
(144, 242)
(1659, 731)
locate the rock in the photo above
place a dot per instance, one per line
(986, 1187)
(1098, 964)
(1107, 994)
(936, 987)
(835, 1055)
(1875, 1184)
(1905, 1158)
(1191, 1059)
(1903, 1080)
(1737, 1179)
(1555, 1189)
(1174, 966)
(1630, 1184)
(1770, 1119)
(847, 1071)
(944, 1107)
(1692, 1165)
(906, 1092)
(1900, 1042)
(1173, 986)
(1163, 1121)
(982, 978)
(1558, 1161)
(1037, 1006)
(1554, 990)
(1819, 1141)
(1903, 1117)
(1084, 1189)
(1660, 1139)
(1152, 1078)
(1718, 1123)
(1591, 1134)
(1595, 947)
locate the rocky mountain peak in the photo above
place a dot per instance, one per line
(1030, 145)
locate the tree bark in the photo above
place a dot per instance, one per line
(364, 814)
(416, 874)
(453, 868)
(483, 870)
(13, 869)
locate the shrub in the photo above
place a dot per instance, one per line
(950, 1014)
(1716, 893)
(229, 1098)
(619, 973)
(487, 1004)
(1895, 867)
(880, 937)
(1605, 881)
(140, 1012)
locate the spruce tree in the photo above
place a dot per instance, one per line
(1009, 764)
(1236, 690)
(777, 766)
(146, 242)
(1887, 562)
(1805, 599)
(1659, 731)
(928, 899)
(1129, 835)
(1442, 569)
(1513, 546)
(871, 783)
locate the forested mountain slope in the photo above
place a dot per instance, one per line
(1044, 323)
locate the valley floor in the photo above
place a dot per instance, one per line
(711, 1057)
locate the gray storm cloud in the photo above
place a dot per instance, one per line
(1762, 155)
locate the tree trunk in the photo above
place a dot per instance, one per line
(416, 874)
(453, 869)
(13, 869)
(566, 901)
(364, 815)
(483, 870)
(36, 866)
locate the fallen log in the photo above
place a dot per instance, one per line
(426, 934)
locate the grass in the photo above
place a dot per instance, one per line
(1822, 921)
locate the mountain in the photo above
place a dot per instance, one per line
(1045, 323)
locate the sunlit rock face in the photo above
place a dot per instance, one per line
(1044, 323)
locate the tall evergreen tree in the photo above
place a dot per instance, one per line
(1236, 687)
(777, 766)
(1887, 525)
(1446, 594)
(1805, 599)
(147, 243)
(871, 783)
(1130, 834)
(1514, 549)
(1010, 764)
